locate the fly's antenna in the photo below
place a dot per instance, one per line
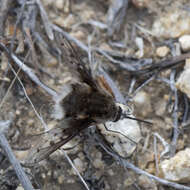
(126, 112)
(123, 115)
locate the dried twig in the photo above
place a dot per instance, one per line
(45, 20)
(17, 23)
(125, 65)
(16, 165)
(116, 15)
(162, 65)
(28, 71)
(185, 115)
(137, 170)
(4, 8)
(175, 115)
(156, 155)
(165, 144)
(143, 85)
(76, 170)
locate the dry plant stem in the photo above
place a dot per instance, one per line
(164, 143)
(146, 143)
(16, 25)
(132, 85)
(16, 77)
(45, 20)
(10, 86)
(37, 114)
(116, 15)
(163, 65)
(185, 115)
(156, 155)
(32, 76)
(137, 170)
(176, 125)
(143, 85)
(175, 115)
(16, 165)
(28, 71)
(70, 38)
(85, 48)
(73, 166)
(4, 8)
(125, 65)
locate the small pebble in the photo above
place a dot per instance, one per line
(19, 188)
(79, 35)
(141, 3)
(185, 42)
(177, 168)
(98, 163)
(79, 165)
(171, 24)
(59, 4)
(162, 51)
(187, 64)
(147, 183)
(160, 107)
(183, 83)
(61, 179)
(143, 104)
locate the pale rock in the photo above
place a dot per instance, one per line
(21, 155)
(98, 163)
(129, 181)
(147, 183)
(47, 2)
(141, 3)
(177, 168)
(61, 179)
(69, 21)
(110, 172)
(185, 42)
(162, 51)
(183, 82)
(123, 135)
(78, 34)
(171, 24)
(140, 44)
(187, 64)
(19, 188)
(79, 165)
(59, 4)
(142, 102)
(160, 107)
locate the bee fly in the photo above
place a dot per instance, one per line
(85, 101)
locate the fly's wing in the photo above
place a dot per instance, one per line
(54, 139)
(73, 60)
(40, 153)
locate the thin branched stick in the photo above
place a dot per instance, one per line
(14, 162)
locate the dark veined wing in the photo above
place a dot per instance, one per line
(72, 58)
(39, 154)
(60, 137)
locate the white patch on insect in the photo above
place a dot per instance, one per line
(58, 110)
(119, 133)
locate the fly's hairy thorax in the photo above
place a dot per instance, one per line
(84, 102)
